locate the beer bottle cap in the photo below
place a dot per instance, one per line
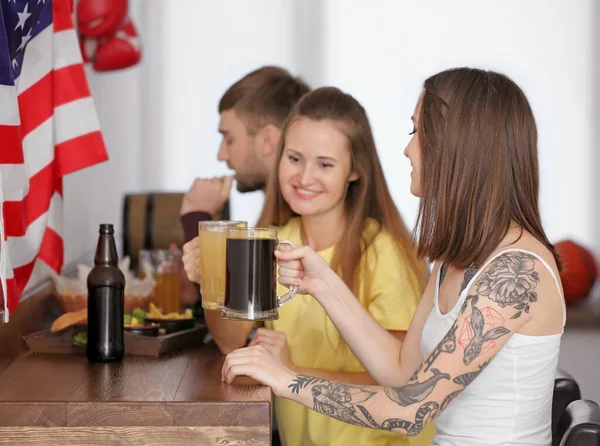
(106, 228)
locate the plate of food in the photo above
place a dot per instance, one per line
(137, 323)
(170, 322)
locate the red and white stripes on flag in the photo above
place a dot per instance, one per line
(48, 128)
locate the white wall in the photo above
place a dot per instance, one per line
(382, 55)
(94, 195)
(206, 47)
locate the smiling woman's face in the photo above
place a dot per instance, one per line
(315, 168)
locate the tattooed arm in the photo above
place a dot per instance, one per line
(275, 342)
(379, 352)
(387, 360)
(505, 291)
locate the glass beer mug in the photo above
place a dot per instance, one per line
(251, 275)
(212, 236)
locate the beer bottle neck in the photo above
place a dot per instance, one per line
(106, 251)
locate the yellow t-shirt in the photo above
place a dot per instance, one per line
(315, 342)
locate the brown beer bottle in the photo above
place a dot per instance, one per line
(106, 300)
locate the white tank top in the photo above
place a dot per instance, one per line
(510, 402)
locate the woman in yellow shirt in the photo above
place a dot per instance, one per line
(331, 195)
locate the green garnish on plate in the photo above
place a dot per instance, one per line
(80, 337)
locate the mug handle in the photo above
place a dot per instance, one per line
(293, 289)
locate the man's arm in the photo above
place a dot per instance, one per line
(205, 198)
(189, 223)
(207, 195)
(228, 334)
(190, 291)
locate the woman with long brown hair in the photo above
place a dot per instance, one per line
(481, 352)
(330, 193)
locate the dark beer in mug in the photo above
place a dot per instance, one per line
(251, 275)
(251, 282)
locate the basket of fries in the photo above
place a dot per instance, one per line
(71, 292)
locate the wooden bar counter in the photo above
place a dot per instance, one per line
(175, 399)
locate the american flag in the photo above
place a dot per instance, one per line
(48, 128)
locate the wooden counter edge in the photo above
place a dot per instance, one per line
(132, 414)
(148, 436)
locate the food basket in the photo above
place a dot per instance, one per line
(71, 293)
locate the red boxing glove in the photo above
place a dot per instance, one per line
(101, 18)
(88, 49)
(120, 51)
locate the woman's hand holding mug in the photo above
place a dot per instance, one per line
(304, 268)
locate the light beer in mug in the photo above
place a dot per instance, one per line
(213, 242)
